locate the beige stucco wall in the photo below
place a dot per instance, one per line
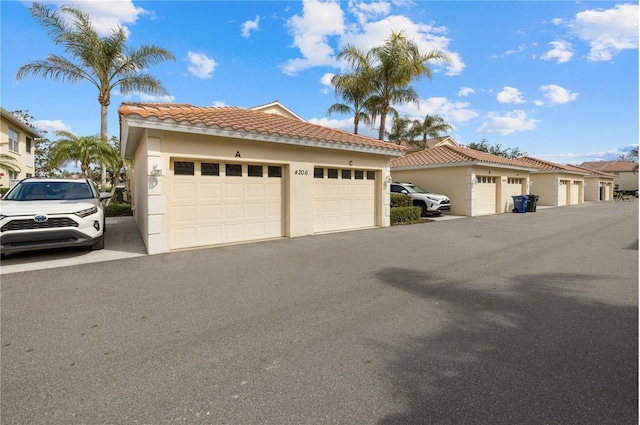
(449, 181)
(626, 180)
(547, 186)
(163, 147)
(592, 186)
(458, 183)
(24, 161)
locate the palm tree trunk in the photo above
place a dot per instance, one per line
(383, 123)
(103, 135)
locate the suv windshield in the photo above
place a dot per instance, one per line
(415, 189)
(44, 191)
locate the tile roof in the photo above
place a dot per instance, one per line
(253, 122)
(610, 165)
(591, 172)
(548, 166)
(458, 155)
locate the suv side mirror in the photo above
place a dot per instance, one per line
(405, 191)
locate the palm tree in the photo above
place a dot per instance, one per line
(354, 89)
(8, 162)
(391, 67)
(402, 129)
(107, 62)
(430, 127)
(85, 150)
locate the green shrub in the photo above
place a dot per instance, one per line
(3, 190)
(118, 196)
(118, 210)
(400, 200)
(405, 215)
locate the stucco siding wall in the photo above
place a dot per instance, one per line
(23, 160)
(140, 192)
(546, 187)
(449, 181)
(297, 164)
(627, 181)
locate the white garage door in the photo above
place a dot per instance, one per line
(514, 187)
(484, 196)
(562, 192)
(214, 203)
(343, 199)
(575, 193)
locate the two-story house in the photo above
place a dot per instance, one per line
(17, 140)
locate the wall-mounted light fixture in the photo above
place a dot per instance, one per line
(156, 171)
(389, 180)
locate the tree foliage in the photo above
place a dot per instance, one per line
(496, 149)
(631, 156)
(386, 72)
(106, 62)
(82, 150)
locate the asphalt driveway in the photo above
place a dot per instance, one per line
(518, 318)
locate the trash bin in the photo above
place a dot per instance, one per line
(532, 203)
(520, 203)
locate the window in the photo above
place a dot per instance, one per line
(233, 170)
(318, 173)
(183, 168)
(29, 175)
(28, 144)
(274, 171)
(332, 173)
(485, 179)
(210, 169)
(512, 180)
(359, 174)
(254, 170)
(346, 174)
(13, 140)
(371, 175)
(13, 175)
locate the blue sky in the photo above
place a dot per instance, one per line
(556, 79)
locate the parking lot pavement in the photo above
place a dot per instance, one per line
(122, 240)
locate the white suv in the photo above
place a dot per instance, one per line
(52, 213)
(429, 203)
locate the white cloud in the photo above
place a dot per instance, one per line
(200, 65)
(561, 51)
(607, 31)
(365, 11)
(311, 32)
(144, 97)
(51, 126)
(510, 95)
(452, 112)
(511, 122)
(325, 80)
(250, 26)
(107, 15)
(320, 20)
(465, 91)
(580, 157)
(427, 37)
(218, 104)
(557, 95)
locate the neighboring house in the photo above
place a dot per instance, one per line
(556, 184)
(214, 175)
(598, 186)
(17, 140)
(477, 183)
(627, 173)
(431, 143)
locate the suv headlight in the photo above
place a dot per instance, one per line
(87, 212)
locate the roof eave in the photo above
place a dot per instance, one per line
(462, 164)
(153, 123)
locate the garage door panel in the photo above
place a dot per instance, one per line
(485, 196)
(209, 210)
(210, 191)
(184, 191)
(342, 204)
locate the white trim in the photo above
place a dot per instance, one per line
(462, 164)
(153, 123)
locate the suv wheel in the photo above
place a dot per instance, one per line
(423, 209)
(100, 244)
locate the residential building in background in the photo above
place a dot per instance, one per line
(17, 140)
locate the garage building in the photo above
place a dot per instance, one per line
(477, 183)
(215, 175)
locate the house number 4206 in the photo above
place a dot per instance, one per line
(301, 172)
